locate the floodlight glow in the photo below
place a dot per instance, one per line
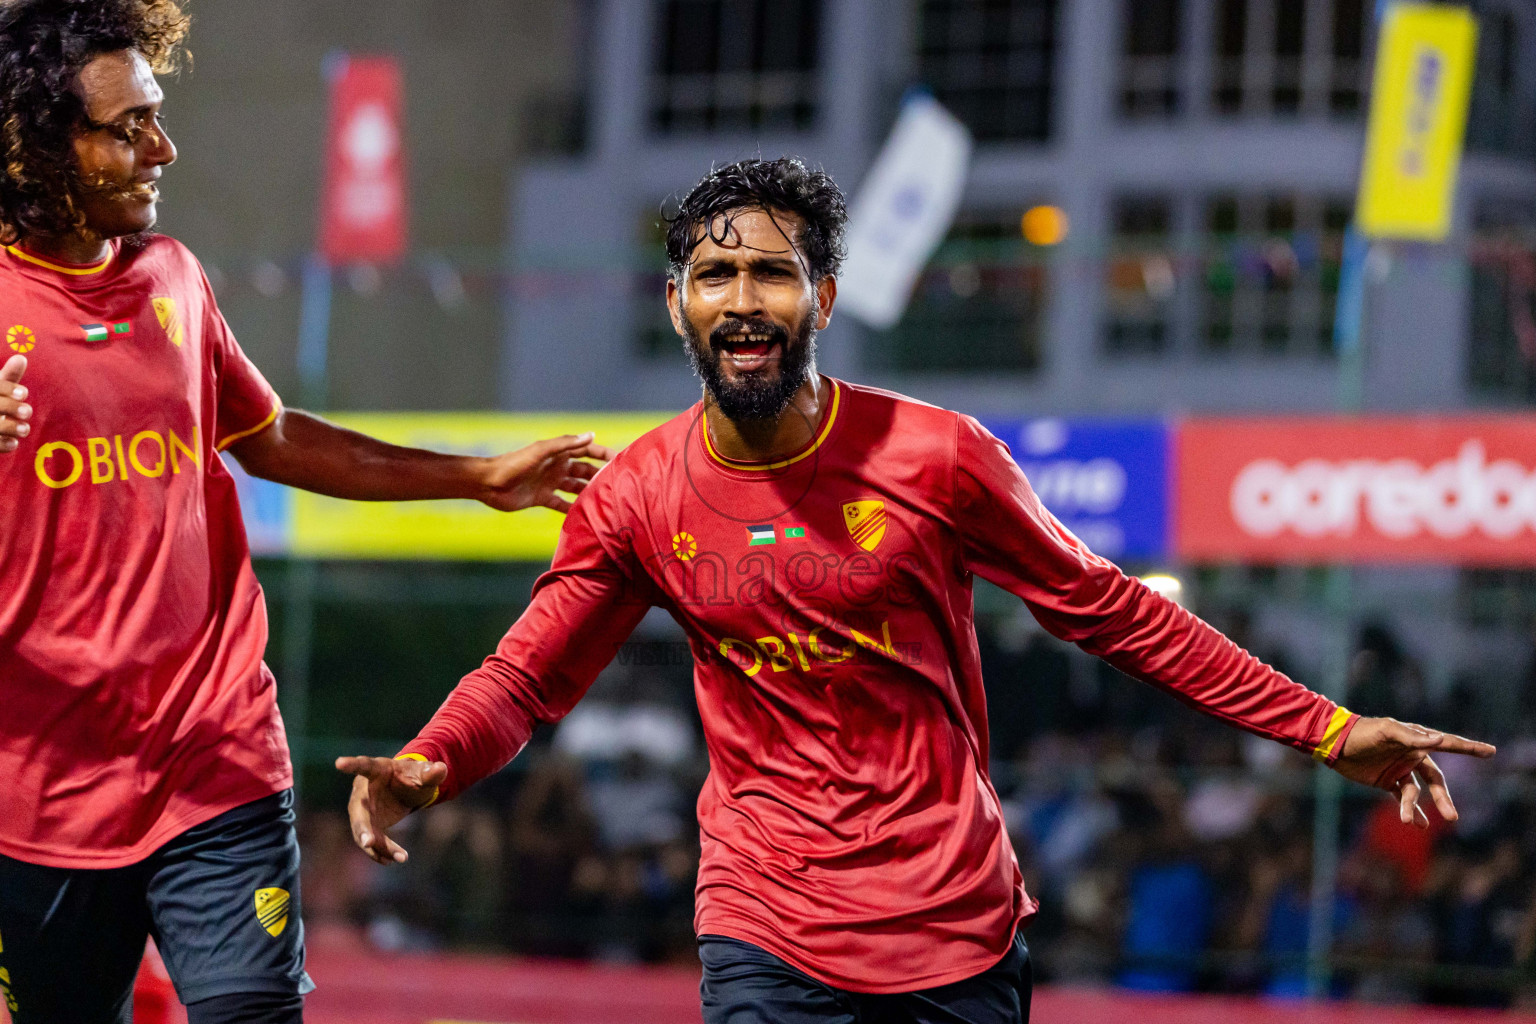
(1045, 225)
(1168, 586)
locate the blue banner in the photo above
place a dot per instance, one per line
(267, 509)
(1107, 480)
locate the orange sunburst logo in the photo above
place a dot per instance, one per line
(21, 339)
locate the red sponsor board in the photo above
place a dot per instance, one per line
(362, 210)
(1379, 489)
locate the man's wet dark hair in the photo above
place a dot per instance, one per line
(785, 185)
(43, 46)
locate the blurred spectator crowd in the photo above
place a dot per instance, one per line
(1169, 852)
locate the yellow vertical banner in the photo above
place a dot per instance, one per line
(1418, 121)
(461, 529)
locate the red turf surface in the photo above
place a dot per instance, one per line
(358, 986)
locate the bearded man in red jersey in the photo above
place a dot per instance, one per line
(147, 785)
(816, 540)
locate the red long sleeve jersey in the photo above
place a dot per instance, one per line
(848, 825)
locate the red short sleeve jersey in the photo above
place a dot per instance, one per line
(848, 824)
(135, 702)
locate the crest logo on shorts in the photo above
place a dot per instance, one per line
(5, 986)
(170, 320)
(866, 523)
(272, 910)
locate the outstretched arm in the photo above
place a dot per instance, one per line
(1012, 540)
(302, 450)
(582, 610)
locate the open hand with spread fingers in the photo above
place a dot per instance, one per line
(1395, 756)
(534, 475)
(14, 410)
(385, 790)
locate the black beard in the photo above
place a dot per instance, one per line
(754, 395)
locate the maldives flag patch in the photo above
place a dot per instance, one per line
(794, 533)
(101, 332)
(760, 534)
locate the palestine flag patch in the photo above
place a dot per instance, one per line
(760, 534)
(101, 332)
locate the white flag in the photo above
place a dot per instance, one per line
(902, 211)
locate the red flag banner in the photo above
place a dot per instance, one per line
(1458, 490)
(363, 207)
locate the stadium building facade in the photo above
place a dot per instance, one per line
(1205, 152)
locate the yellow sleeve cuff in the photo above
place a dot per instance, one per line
(1331, 734)
(413, 756)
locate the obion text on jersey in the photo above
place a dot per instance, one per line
(148, 454)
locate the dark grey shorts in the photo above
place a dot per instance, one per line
(744, 984)
(221, 900)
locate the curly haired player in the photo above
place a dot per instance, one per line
(147, 787)
(817, 540)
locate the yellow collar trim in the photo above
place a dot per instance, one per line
(826, 428)
(22, 254)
